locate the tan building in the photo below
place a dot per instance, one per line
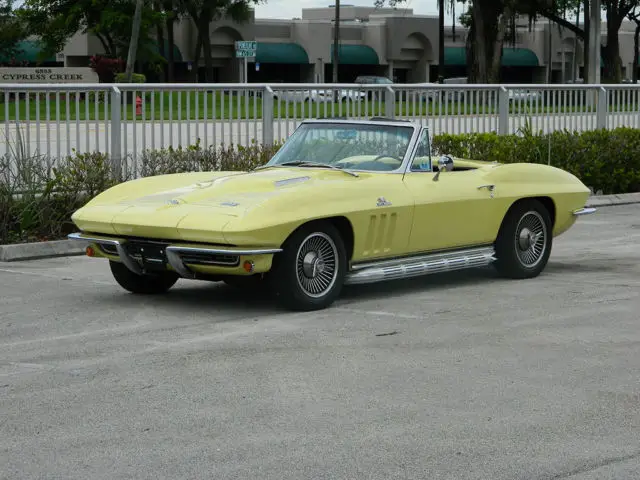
(389, 42)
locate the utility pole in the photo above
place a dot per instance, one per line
(549, 53)
(593, 75)
(440, 41)
(133, 44)
(336, 41)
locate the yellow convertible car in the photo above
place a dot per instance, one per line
(342, 202)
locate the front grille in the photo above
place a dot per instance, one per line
(211, 259)
(108, 248)
(152, 253)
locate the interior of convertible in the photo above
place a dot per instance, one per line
(359, 146)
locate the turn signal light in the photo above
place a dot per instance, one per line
(90, 252)
(248, 266)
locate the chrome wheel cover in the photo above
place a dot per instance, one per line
(531, 239)
(317, 264)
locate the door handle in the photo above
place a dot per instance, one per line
(489, 187)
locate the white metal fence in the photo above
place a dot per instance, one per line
(53, 121)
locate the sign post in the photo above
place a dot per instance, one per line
(246, 50)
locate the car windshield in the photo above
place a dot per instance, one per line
(346, 146)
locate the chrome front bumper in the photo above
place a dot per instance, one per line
(176, 255)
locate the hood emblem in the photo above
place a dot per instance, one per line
(173, 202)
(382, 202)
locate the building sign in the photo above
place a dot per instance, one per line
(48, 75)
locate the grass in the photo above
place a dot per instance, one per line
(206, 105)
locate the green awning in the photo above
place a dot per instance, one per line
(519, 57)
(455, 56)
(27, 50)
(356, 55)
(511, 57)
(290, 53)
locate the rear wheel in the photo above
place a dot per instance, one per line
(152, 283)
(310, 271)
(524, 243)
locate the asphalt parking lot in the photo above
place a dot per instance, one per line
(460, 376)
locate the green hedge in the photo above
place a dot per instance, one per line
(36, 203)
(605, 160)
(135, 78)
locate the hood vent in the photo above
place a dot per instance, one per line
(289, 181)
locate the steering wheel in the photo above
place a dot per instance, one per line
(395, 157)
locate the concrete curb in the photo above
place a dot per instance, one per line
(39, 250)
(612, 200)
(66, 248)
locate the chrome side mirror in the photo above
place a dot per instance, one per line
(445, 163)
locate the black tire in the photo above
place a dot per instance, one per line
(515, 257)
(142, 284)
(303, 280)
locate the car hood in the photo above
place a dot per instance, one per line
(237, 192)
(205, 206)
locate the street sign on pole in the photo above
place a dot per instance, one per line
(246, 49)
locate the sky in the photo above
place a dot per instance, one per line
(285, 9)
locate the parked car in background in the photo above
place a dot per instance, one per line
(403, 91)
(316, 95)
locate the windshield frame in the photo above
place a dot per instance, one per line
(408, 154)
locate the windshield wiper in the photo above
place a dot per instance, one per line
(306, 163)
(260, 167)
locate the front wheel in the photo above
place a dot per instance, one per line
(524, 243)
(142, 284)
(310, 271)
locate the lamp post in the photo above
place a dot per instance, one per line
(336, 41)
(593, 75)
(440, 41)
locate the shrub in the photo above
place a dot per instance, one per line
(606, 160)
(106, 68)
(135, 78)
(195, 158)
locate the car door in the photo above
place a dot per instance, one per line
(452, 209)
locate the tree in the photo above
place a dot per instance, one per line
(172, 11)
(616, 11)
(56, 21)
(203, 12)
(133, 42)
(12, 30)
(491, 23)
(489, 20)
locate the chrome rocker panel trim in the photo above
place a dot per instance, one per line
(173, 252)
(584, 211)
(415, 266)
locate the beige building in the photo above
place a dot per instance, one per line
(389, 42)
